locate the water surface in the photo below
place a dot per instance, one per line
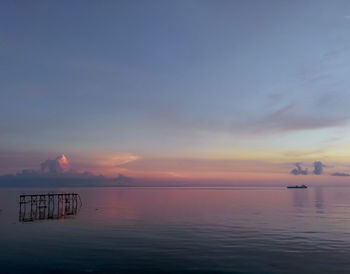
(182, 230)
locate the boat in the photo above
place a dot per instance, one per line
(302, 186)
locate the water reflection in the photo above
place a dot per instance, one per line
(300, 198)
(319, 200)
(48, 206)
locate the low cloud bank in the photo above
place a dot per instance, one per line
(340, 174)
(58, 173)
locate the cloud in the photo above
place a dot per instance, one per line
(318, 167)
(294, 115)
(291, 118)
(340, 174)
(59, 165)
(299, 170)
(199, 167)
(58, 173)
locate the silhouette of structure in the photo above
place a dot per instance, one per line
(48, 206)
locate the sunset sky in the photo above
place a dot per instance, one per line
(220, 90)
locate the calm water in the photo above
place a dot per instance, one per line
(179, 230)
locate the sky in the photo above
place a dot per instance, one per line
(238, 91)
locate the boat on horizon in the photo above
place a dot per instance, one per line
(301, 186)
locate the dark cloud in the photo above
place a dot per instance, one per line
(340, 174)
(318, 167)
(298, 170)
(62, 180)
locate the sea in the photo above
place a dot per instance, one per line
(179, 230)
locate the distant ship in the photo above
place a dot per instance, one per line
(302, 186)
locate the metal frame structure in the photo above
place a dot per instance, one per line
(48, 206)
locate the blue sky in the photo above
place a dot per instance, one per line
(205, 79)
